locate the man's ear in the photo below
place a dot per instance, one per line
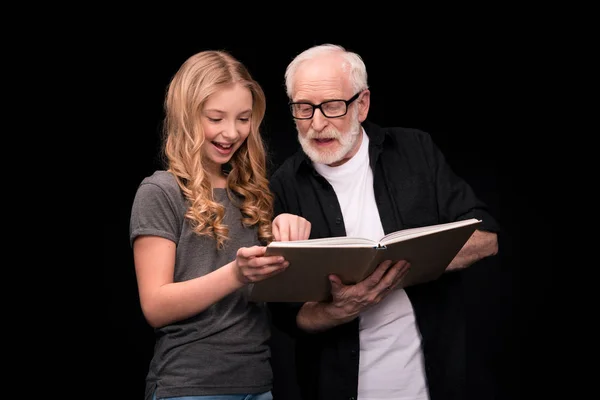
(364, 101)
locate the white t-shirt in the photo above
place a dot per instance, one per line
(391, 359)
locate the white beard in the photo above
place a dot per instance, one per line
(346, 140)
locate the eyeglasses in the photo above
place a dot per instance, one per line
(329, 108)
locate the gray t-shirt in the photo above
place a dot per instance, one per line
(222, 350)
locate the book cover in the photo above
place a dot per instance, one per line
(429, 249)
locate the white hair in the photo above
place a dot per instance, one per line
(358, 70)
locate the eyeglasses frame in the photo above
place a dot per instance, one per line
(315, 106)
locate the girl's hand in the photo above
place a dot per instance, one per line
(251, 264)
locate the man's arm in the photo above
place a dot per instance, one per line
(481, 244)
(318, 317)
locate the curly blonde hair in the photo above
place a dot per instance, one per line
(198, 77)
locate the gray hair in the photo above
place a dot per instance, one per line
(358, 70)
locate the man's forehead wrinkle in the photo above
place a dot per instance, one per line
(326, 88)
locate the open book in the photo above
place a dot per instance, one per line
(429, 250)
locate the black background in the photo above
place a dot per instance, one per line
(470, 92)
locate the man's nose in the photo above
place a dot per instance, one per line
(319, 121)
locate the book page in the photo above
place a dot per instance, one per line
(338, 241)
(414, 232)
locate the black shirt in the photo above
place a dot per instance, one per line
(414, 186)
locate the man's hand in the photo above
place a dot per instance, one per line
(288, 227)
(350, 300)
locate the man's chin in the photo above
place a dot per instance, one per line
(317, 154)
(320, 157)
